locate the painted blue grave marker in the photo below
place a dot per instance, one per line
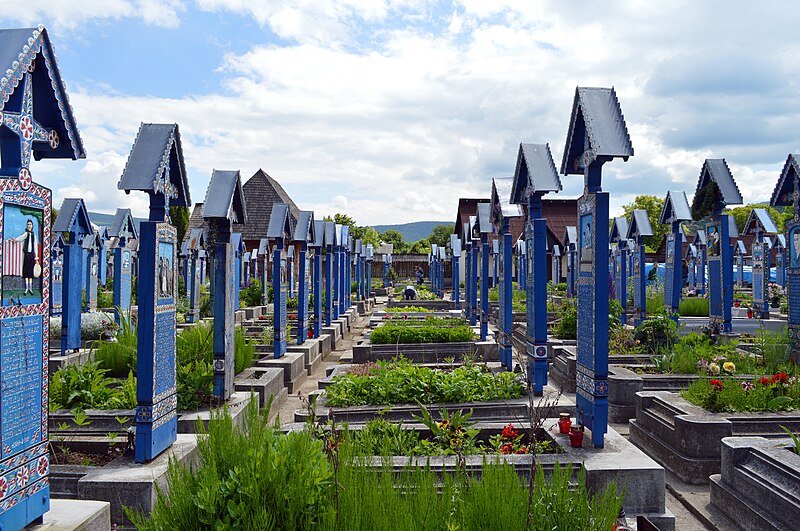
(56, 274)
(521, 254)
(466, 242)
(290, 271)
(30, 129)
(535, 175)
(556, 273)
(102, 256)
(72, 220)
(691, 258)
(502, 210)
(779, 244)
(358, 269)
(475, 236)
(155, 166)
(304, 235)
(717, 230)
(279, 233)
(123, 229)
(619, 236)
(485, 228)
(760, 224)
(263, 257)
(330, 271)
(787, 193)
(370, 257)
(638, 228)
(597, 134)
(196, 243)
(91, 249)
(223, 206)
(739, 252)
(317, 245)
(495, 259)
(571, 252)
(701, 242)
(676, 211)
(455, 252)
(238, 250)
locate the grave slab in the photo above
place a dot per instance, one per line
(125, 483)
(75, 515)
(236, 403)
(324, 344)
(334, 334)
(265, 382)
(294, 369)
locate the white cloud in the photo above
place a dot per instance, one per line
(71, 14)
(426, 110)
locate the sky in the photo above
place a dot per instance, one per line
(390, 110)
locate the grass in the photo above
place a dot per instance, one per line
(430, 330)
(693, 307)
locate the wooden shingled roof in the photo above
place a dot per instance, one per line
(260, 192)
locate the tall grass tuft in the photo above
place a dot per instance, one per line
(119, 357)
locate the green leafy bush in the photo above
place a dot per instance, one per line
(87, 387)
(567, 321)
(430, 330)
(251, 295)
(516, 295)
(657, 332)
(401, 382)
(118, 357)
(693, 307)
(105, 299)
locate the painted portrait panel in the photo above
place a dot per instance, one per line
(22, 255)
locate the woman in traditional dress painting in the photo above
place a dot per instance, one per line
(30, 255)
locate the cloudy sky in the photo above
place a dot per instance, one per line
(390, 110)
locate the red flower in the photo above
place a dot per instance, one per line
(717, 384)
(505, 449)
(522, 450)
(509, 432)
(779, 377)
(765, 381)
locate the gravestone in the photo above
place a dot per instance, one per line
(597, 134)
(304, 235)
(556, 274)
(502, 210)
(279, 233)
(475, 235)
(675, 212)
(91, 248)
(102, 255)
(387, 263)
(570, 247)
(223, 206)
(619, 236)
(155, 166)
(123, 229)
(238, 249)
(787, 193)
(245, 279)
(73, 221)
(521, 255)
(485, 228)
(455, 253)
(779, 244)
(263, 257)
(495, 260)
(433, 268)
(254, 269)
(638, 228)
(290, 294)
(56, 274)
(358, 269)
(336, 258)
(691, 258)
(316, 277)
(348, 270)
(38, 123)
(701, 242)
(330, 271)
(344, 269)
(535, 175)
(739, 254)
(716, 183)
(369, 258)
(196, 243)
(761, 225)
(466, 241)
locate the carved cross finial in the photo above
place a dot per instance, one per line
(27, 129)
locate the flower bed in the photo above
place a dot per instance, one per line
(430, 330)
(779, 392)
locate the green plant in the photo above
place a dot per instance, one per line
(408, 309)
(777, 393)
(105, 299)
(244, 350)
(567, 321)
(119, 356)
(795, 439)
(194, 382)
(400, 382)
(251, 295)
(86, 387)
(657, 332)
(430, 330)
(693, 307)
(452, 435)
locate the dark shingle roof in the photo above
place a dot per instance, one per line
(224, 198)
(619, 230)
(501, 205)
(123, 224)
(72, 216)
(157, 148)
(639, 224)
(759, 218)
(18, 49)
(676, 208)
(261, 192)
(596, 115)
(305, 229)
(535, 172)
(717, 170)
(784, 188)
(280, 224)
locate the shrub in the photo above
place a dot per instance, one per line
(657, 332)
(400, 382)
(118, 357)
(567, 321)
(431, 330)
(105, 299)
(251, 295)
(86, 387)
(693, 307)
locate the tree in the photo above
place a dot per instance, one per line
(740, 214)
(341, 219)
(422, 246)
(653, 205)
(396, 239)
(180, 220)
(441, 235)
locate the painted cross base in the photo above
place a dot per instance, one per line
(537, 366)
(156, 385)
(793, 287)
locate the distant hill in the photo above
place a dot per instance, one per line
(413, 231)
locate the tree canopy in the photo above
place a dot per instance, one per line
(740, 214)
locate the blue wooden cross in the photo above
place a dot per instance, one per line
(485, 228)
(317, 245)
(535, 176)
(760, 223)
(618, 235)
(597, 134)
(304, 236)
(455, 253)
(675, 212)
(279, 233)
